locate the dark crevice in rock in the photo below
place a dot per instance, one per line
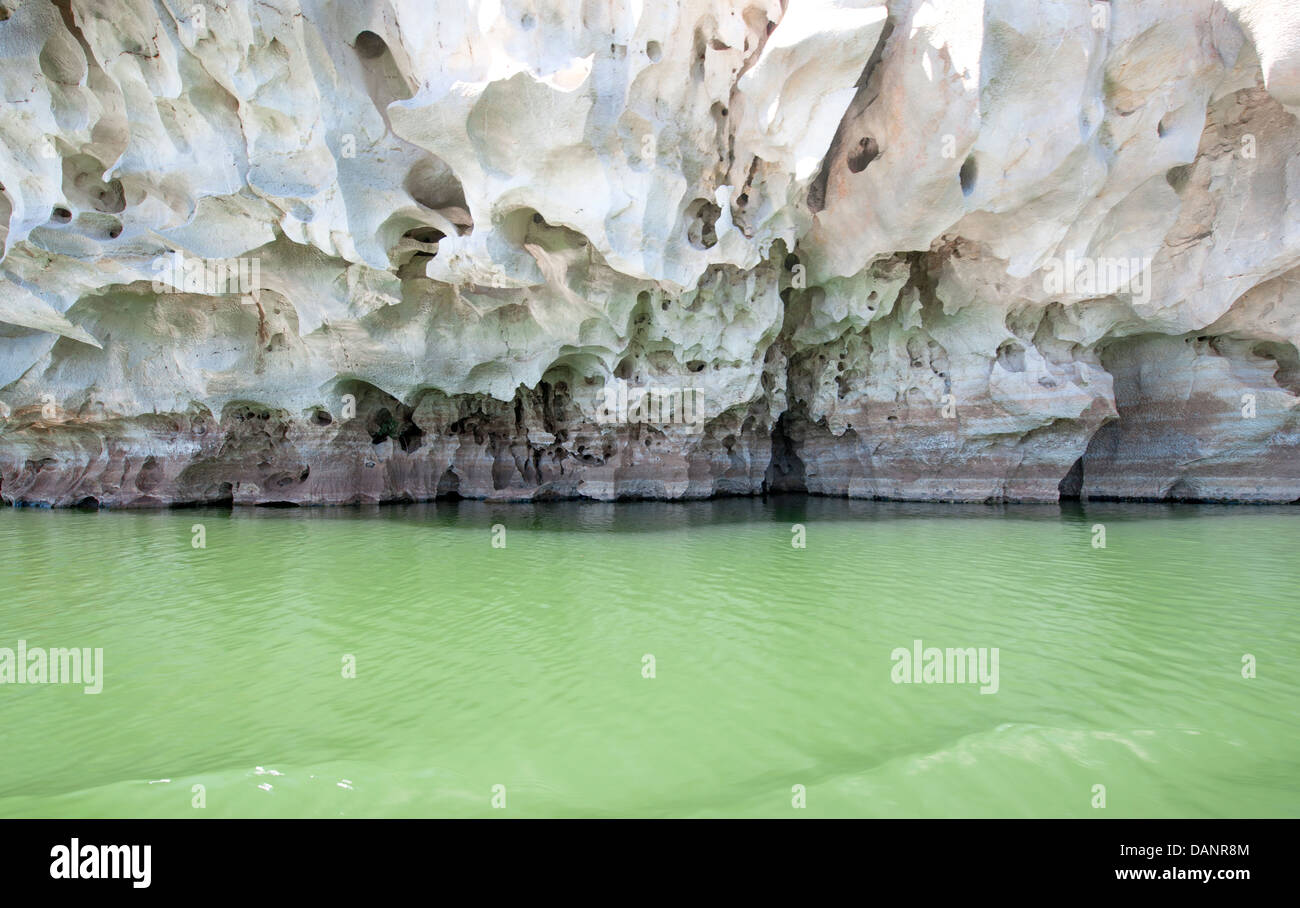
(866, 151)
(370, 46)
(221, 495)
(1177, 177)
(786, 472)
(384, 79)
(701, 223)
(433, 185)
(1287, 374)
(449, 485)
(867, 92)
(967, 175)
(384, 416)
(1071, 487)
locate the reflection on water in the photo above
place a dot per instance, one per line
(526, 666)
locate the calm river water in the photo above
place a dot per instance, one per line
(656, 660)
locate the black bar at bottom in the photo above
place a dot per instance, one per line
(335, 857)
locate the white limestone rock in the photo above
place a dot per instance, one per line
(937, 249)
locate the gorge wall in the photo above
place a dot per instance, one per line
(304, 251)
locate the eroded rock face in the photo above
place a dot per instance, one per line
(312, 252)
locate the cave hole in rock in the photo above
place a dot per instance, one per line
(369, 46)
(418, 245)
(699, 47)
(654, 51)
(221, 494)
(1182, 491)
(429, 235)
(288, 478)
(242, 412)
(1287, 359)
(448, 485)
(384, 424)
(382, 415)
(385, 82)
(61, 215)
(701, 223)
(863, 154)
(84, 185)
(785, 472)
(969, 171)
(432, 184)
(1177, 177)
(524, 226)
(150, 475)
(1011, 356)
(643, 301)
(626, 369)
(1070, 488)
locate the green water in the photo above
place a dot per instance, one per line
(524, 666)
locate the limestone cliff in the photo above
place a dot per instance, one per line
(319, 251)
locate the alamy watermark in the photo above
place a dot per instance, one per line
(75, 861)
(58, 665)
(1088, 276)
(932, 665)
(210, 277)
(660, 405)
